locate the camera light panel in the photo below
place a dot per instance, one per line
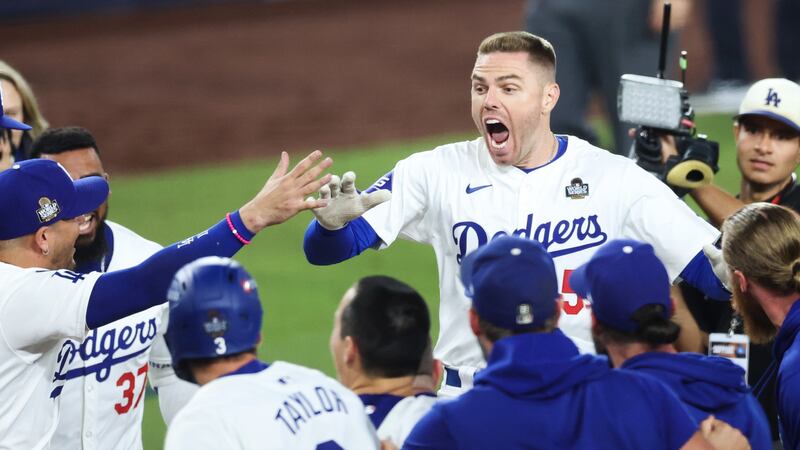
(650, 101)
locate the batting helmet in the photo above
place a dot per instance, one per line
(214, 311)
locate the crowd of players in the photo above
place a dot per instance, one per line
(549, 251)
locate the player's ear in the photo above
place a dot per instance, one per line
(559, 308)
(350, 353)
(473, 322)
(741, 281)
(550, 96)
(40, 240)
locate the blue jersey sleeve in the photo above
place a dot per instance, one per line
(431, 432)
(699, 274)
(122, 293)
(789, 409)
(325, 247)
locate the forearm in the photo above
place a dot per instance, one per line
(716, 203)
(325, 247)
(125, 292)
(700, 274)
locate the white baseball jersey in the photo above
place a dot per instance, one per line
(284, 406)
(397, 425)
(105, 374)
(456, 198)
(38, 310)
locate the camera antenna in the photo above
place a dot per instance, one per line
(662, 56)
(683, 63)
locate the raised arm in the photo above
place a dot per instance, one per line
(716, 203)
(122, 293)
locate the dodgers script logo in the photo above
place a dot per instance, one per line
(562, 238)
(102, 351)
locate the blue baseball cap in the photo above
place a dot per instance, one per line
(620, 278)
(40, 192)
(512, 283)
(8, 122)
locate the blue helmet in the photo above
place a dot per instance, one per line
(214, 311)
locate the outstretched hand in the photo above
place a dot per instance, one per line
(344, 203)
(284, 194)
(718, 265)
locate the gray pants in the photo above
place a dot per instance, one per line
(596, 41)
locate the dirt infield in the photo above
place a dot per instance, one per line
(180, 86)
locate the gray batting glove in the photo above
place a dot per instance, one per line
(344, 203)
(718, 264)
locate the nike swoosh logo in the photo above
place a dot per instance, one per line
(470, 190)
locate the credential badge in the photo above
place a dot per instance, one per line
(524, 314)
(48, 209)
(577, 189)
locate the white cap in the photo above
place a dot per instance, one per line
(776, 98)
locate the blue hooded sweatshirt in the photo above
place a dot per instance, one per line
(787, 356)
(709, 385)
(539, 392)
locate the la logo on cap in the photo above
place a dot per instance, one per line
(772, 97)
(524, 314)
(48, 210)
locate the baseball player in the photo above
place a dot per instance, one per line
(518, 179)
(537, 391)
(101, 405)
(381, 349)
(43, 302)
(629, 290)
(244, 403)
(761, 246)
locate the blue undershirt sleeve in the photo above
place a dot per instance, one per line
(431, 432)
(324, 247)
(122, 293)
(699, 274)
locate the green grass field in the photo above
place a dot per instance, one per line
(299, 299)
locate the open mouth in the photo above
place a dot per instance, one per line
(498, 133)
(85, 223)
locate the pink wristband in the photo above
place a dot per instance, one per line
(234, 231)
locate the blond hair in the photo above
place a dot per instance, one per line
(30, 107)
(762, 241)
(540, 50)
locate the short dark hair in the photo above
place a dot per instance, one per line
(390, 324)
(654, 329)
(64, 139)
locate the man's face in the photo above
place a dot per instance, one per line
(756, 323)
(337, 343)
(12, 107)
(83, 163)
(507, 102)
(61, 238)
(768, 151)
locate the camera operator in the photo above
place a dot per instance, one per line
(767, 134)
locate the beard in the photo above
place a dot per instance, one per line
(757, 325)
(94, 250)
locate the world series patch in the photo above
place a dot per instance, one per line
(577, 189)
(48, 209)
